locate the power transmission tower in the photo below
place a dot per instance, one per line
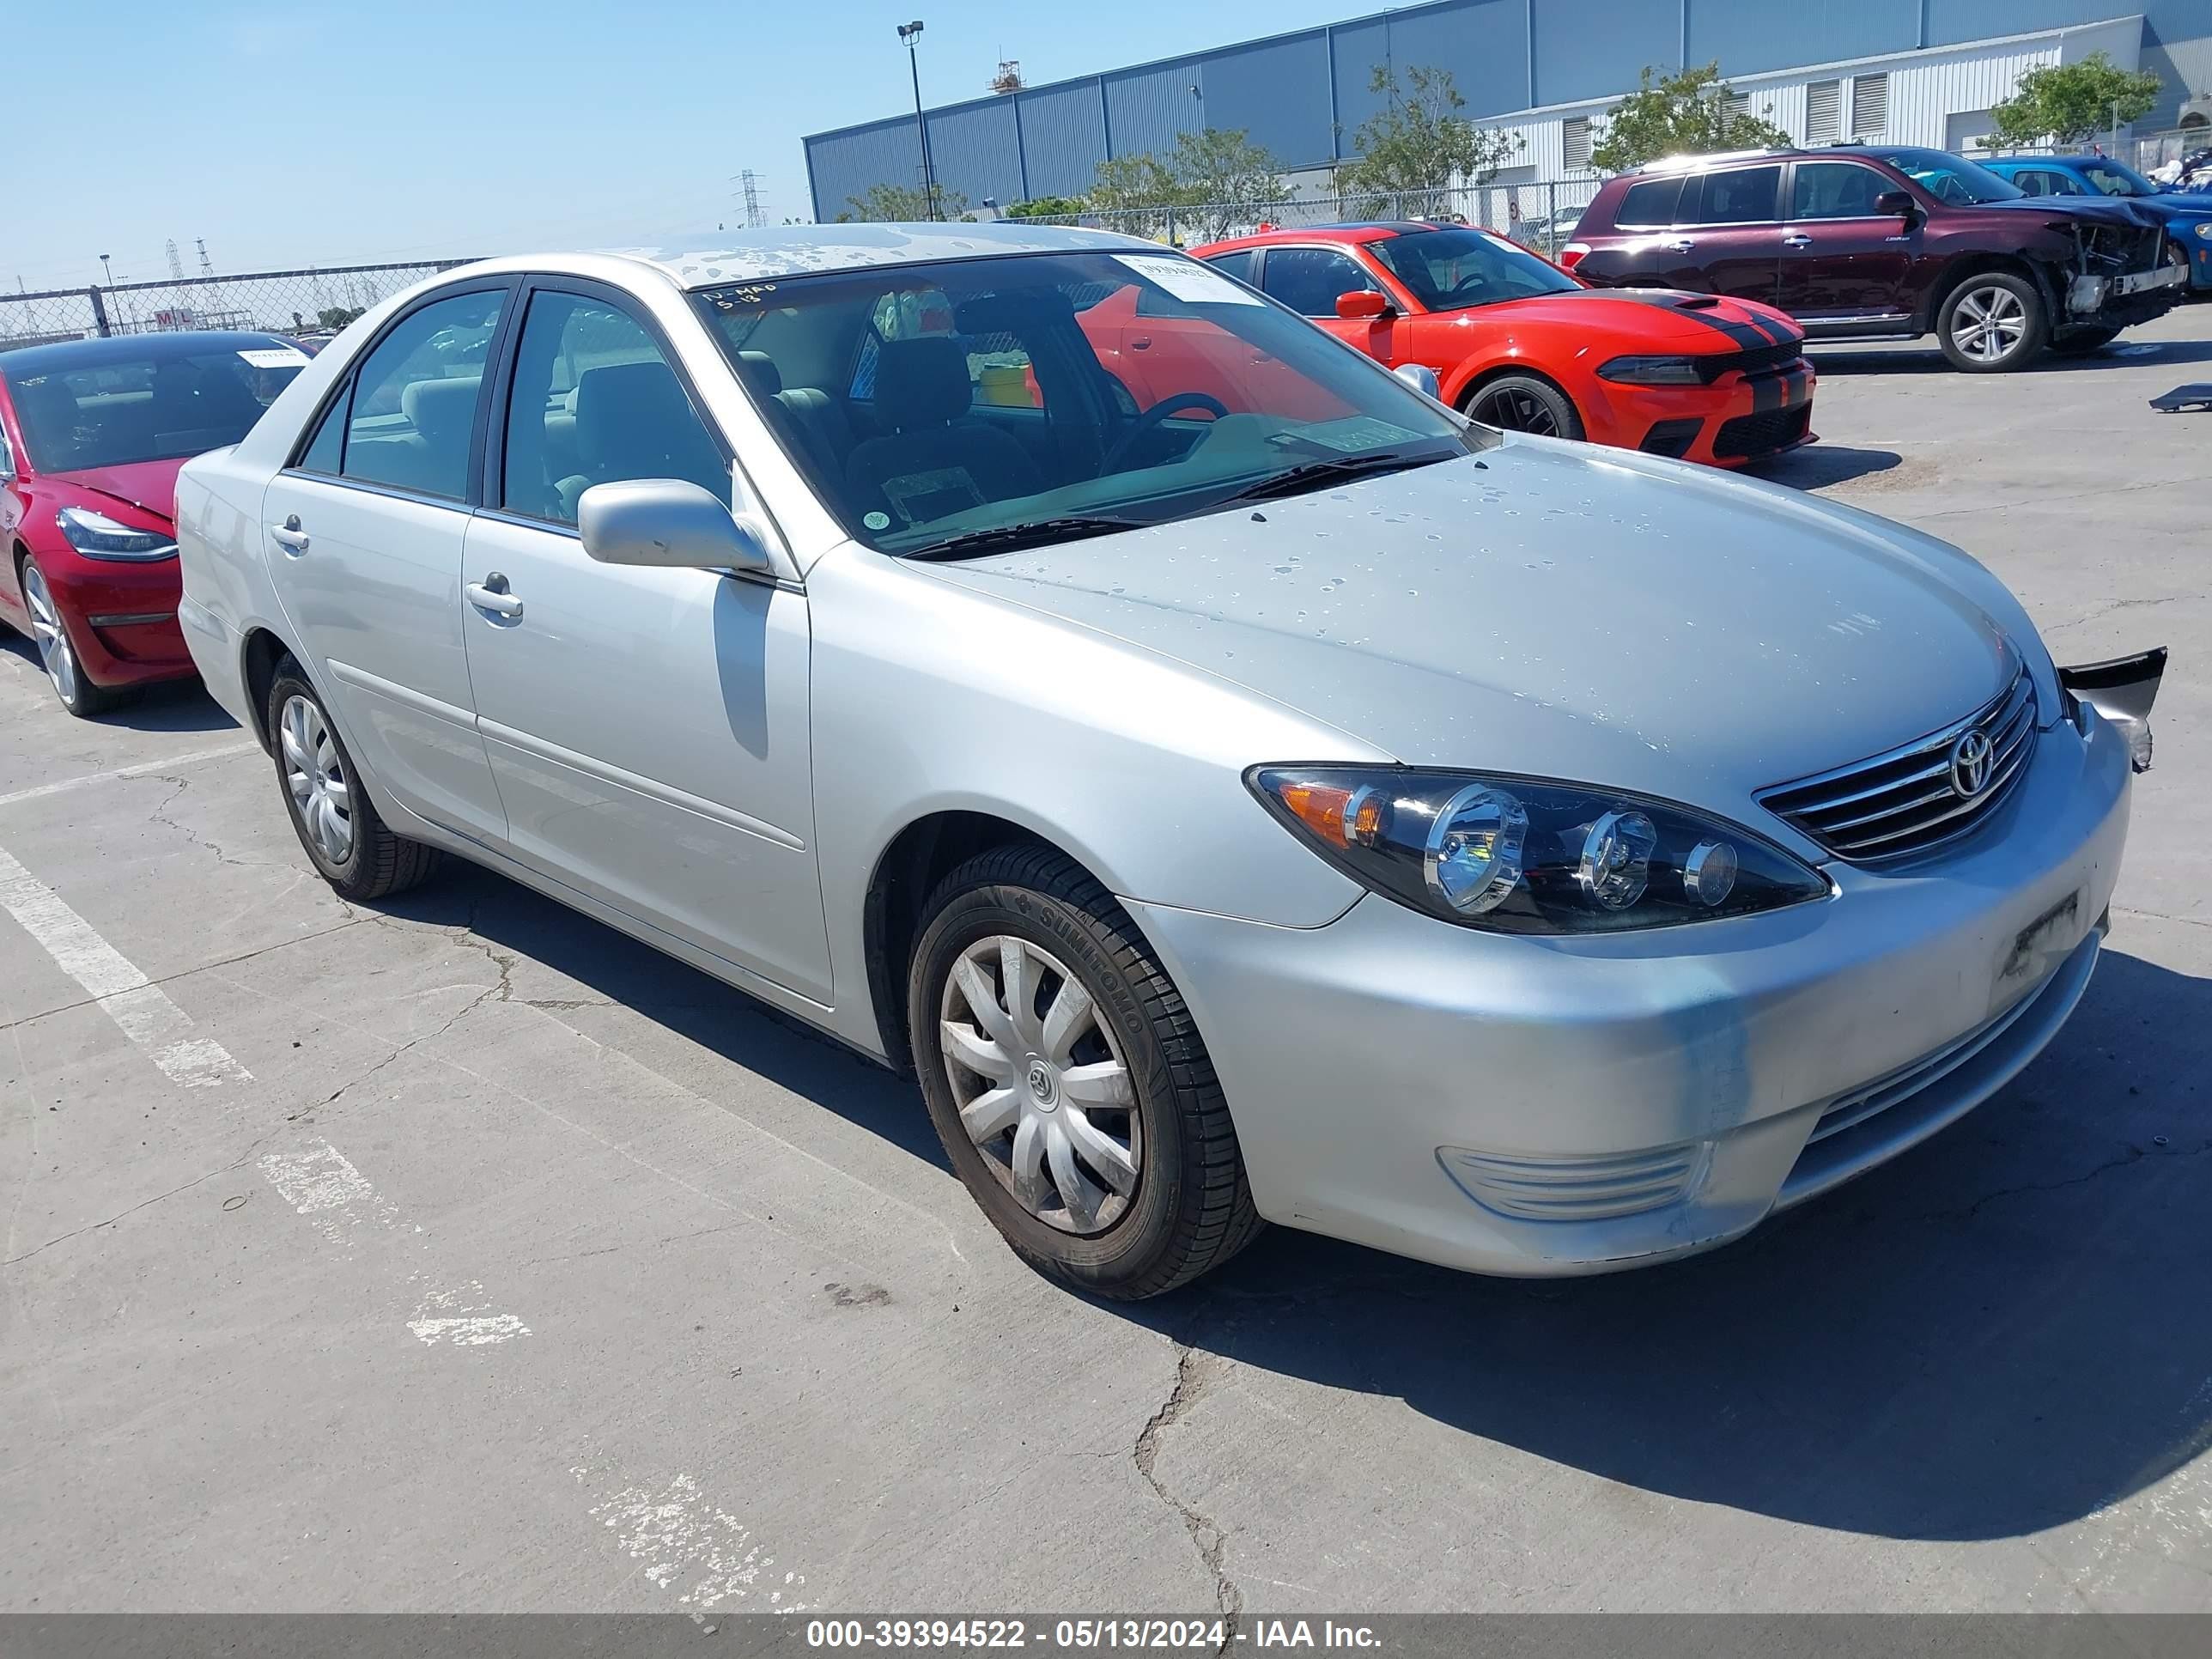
(207, 265)
(176, 264)
(754, 220)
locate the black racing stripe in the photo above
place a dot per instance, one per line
(1766, 327)
(1746, 339)
(1768, 393)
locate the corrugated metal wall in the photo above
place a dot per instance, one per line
(1506, 55)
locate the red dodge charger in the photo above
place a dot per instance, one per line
(92, 434)
(1516, 341)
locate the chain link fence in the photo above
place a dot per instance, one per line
(296, 302)
(1540, 213)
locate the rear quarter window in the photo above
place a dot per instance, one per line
(1649, 205)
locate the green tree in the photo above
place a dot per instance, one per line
(336, 316)
(1049, 207)
(2071, 103)
(1219, 175)
(1139, 193)
(1418, 140)
(1688, 114)
(884, 203)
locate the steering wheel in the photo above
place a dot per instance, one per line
(1151, 418)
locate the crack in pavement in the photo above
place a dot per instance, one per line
(188, 973)
(197, 1180)
(2107, 607)
(2133, 1155)
(160, 815)
(1194, 1374)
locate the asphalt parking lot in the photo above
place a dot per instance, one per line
(464, 1256)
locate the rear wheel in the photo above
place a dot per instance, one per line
(2083, 341)
(1992, 321)
(1522, 403)
(1072, 1091)
(55, 654)
(338, 825)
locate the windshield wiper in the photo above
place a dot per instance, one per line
(1309, 474)
(1012, 538)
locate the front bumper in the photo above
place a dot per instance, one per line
(1738, 419)
(122, 618)
(1486, 1100)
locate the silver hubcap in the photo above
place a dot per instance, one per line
(52, 639)
(1989, 322)
(316, 776)
(1041, 1084)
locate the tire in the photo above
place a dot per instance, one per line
(1159, 1194)
(2083, 341)
(338, 825)
(1522, 403)
(1992, 322)
(57, 654)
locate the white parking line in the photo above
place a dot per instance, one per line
(191, 756)
(142, 1010)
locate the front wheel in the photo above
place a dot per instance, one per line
(1522, 403)
(1991, 322)
(56, 656)
(2083, 341)
(338, 826)
(1071, 1089)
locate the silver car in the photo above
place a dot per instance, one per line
(1238, 786)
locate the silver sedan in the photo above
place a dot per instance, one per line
(1238, 786)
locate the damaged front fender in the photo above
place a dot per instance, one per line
(2121, 690)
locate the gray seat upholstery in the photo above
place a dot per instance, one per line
(934, 460)
(433, 458)
(633, 420)
(822, 427)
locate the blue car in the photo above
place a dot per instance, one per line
(2188, 216)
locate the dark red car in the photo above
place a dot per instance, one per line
(1513, 341)
(92, 434)
(1863, 242)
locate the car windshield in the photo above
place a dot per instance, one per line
(2110, 178)
(974, 406)
(160, 405)
(1452, 270)
(1950, 178)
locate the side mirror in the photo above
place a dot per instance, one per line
(1362, 304)
(1899, 203)
(667, 524)
(1420, 377)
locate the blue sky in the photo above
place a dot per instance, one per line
(289, 135)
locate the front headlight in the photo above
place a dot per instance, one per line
(1653, 370)
(2205, 230)
(99, 537)
(1518, 855)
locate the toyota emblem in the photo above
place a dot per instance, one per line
(1970, 764)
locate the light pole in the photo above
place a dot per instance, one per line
(105, 272)
(908, 33)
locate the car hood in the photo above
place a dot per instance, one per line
(150, 486)
(1649, 317)
(2100, 210)
(1546, 610)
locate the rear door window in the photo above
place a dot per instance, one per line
(1741, 196)
(1649, 205)
(415, 399)
(1238, 263)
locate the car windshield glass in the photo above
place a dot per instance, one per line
(1451, 270)
(2112, 179)
(160, 406)
(1951, 178)
(1040, 393)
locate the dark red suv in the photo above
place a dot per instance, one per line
(1863, 242)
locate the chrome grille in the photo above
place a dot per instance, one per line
(1907, 801)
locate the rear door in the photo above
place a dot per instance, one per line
(1840, 257)
(1726, 237)
(365, 529)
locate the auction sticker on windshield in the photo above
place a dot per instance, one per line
(1189, 280)
(275, 357)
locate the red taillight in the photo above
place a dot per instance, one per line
(1571, 254)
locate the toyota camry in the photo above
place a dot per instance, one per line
(1311, 806)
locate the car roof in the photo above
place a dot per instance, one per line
(1351, 231)
(165, 346)
(740, 255)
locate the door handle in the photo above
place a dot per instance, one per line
(490, 594)
(1141, 345)
(1797, 239)
(1679, 245)
(288, 536)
